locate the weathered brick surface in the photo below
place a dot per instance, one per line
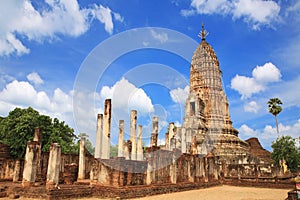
(141, 191)
(266, 182)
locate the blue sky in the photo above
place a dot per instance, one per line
(64, 57)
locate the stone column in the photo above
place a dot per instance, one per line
(173, 169)
(133, 119)
(7, 169)
(53, 166)
(140, 152)
(191, 169)
(17, 170)
(105, 152)
(37, 135)
(167, 144)
(81, 167)
(202, 166)
(171, 134)
(149, 174)
(94, 172)
(154, 134)
(38, 138)
(30, 165)
(126, 151)
(99, 136)
(121, 139)
(183, 140)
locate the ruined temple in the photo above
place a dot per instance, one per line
(257, 150)
(203, 152)
(207, 127)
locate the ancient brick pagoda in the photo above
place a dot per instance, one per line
(207, 126)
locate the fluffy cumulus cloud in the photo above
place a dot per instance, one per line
(261, 77)
(25, 20)
(255, 12)
(23, 94)
(126, 96)
(211, 6)
(246, 86)
(269, 133)
(266, 73)
(34, 78)
(251, 106)
(246, 131)
(179, 95)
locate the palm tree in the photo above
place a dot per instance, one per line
(275, 109)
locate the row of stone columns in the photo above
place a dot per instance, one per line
(132, 149)
(32, 158)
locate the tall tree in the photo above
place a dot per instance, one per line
(275, 109)
(18, 128)
(285, 148)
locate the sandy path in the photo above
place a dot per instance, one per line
(224, 193)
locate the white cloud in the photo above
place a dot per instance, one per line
(262, 76)
(294, 8)
(255, 12)
(180, 95)
(125, 96)
(103, 14)
(269, 133)
(23, 94)
(24, 21)
(18, 92)
(211, 6)
(246, 86)
(34, 78)
(251, 106)
(266, 73)
(161, 37)
(187, 13)
(118, 17)
(246, 131)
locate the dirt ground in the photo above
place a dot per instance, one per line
(224, 192)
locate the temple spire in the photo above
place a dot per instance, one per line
(203, 33)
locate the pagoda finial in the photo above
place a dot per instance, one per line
(203, 33)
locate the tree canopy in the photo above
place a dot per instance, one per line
(285, 148)
(18, 128)
(275, 109)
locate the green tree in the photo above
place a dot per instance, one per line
(18, 128)
(275, 109)
(285, 148)
(113, 150)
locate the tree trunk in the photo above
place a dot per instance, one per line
(277, 125)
